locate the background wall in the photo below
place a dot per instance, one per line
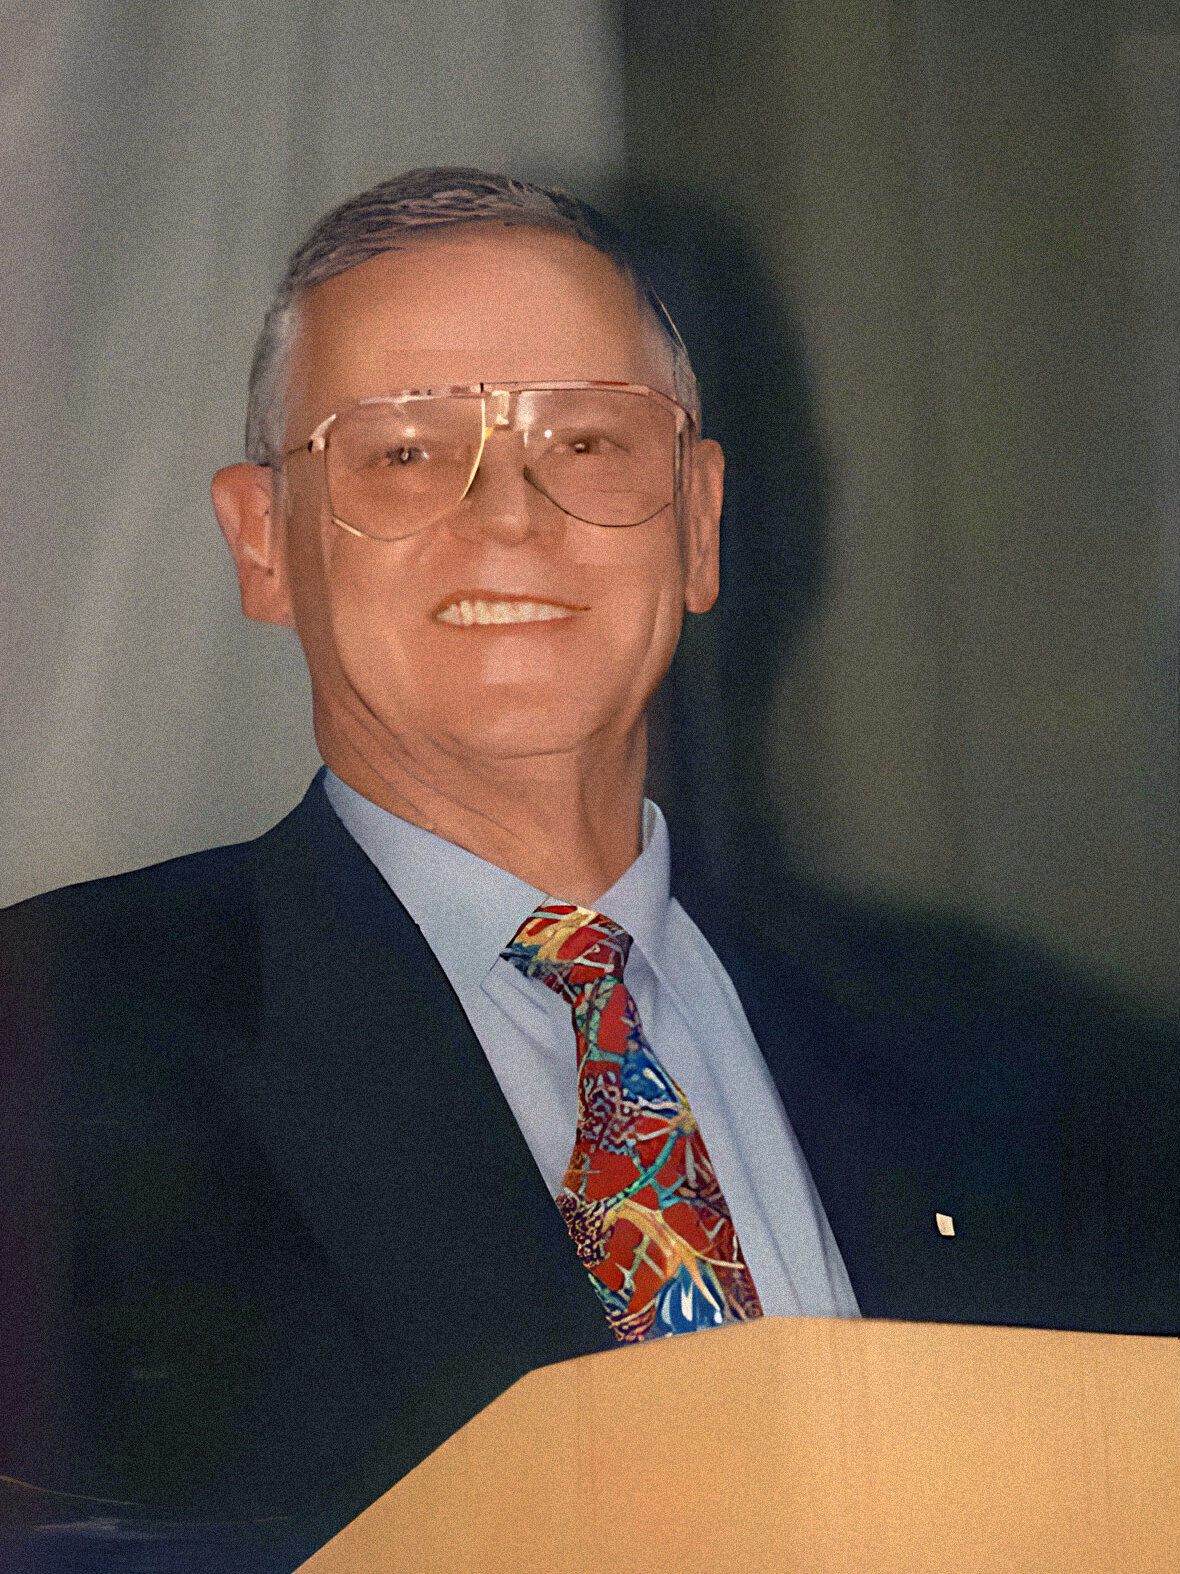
(971, 208)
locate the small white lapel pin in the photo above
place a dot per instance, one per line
(946, 1225)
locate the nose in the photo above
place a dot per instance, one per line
(501, 500)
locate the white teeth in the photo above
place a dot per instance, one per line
(465, 613)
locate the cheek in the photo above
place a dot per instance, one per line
(638, 612)
(347, 607)
(373, 626)
(648, 580)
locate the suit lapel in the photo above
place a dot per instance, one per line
(874, 1147)
(383, 1122)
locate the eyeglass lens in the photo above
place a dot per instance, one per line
(604, 456)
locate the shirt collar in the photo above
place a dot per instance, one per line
(468, 909)
(638, 900)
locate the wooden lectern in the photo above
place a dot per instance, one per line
(808, 1447)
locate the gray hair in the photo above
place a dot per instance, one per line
(376, 220)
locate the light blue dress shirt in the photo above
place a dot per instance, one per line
(468, 910)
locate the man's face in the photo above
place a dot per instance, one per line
(495, 304)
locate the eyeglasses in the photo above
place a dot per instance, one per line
(605, 453)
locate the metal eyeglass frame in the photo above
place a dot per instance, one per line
(499, 396)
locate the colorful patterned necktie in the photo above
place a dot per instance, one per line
(640, 1198)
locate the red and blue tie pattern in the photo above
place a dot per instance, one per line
(640, 1199)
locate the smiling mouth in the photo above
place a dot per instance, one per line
(483, 612)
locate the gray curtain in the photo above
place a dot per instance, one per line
(157, 163)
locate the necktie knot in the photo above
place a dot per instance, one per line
(568, 947)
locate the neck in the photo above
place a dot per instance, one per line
(567, 823)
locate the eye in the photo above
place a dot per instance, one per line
(589, 443)
(403, 455)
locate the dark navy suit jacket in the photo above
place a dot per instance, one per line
(272, 1233)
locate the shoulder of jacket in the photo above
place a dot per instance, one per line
(178, 932)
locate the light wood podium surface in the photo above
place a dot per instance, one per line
(817, 1446)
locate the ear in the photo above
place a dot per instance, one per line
(244, 502)
(702, 544)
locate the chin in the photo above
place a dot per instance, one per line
(507, 730)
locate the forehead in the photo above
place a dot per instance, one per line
(481, 302)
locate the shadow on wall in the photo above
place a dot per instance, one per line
(711, 724)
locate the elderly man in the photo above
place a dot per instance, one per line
(317, 1143)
